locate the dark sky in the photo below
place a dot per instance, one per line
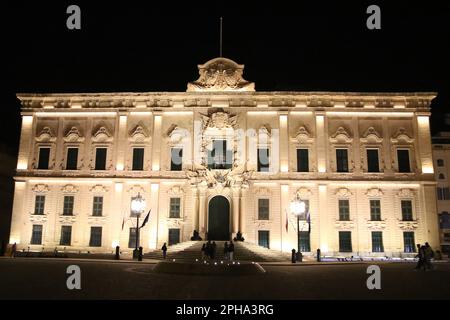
(297, 45)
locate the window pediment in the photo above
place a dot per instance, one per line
(138, 134)
(176, 134)
(341, 136)
(46, 135)
(401, 136)
(73, 135)
(302, 136)
(371, 136)
(303, 193)
(69, 188)
(41, 188)
(98, 188)
(374, 192)
(343, 193)
(102, 135)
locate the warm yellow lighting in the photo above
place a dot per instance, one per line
(284, 188)
(27, 120)
(262, 113)
(321, 167)
(423, 121)
(22, 165)
(283, 120)
(118, 187)
(115, 243)
(369, 106)
(322, 188)
(119, 167)
(141, 104)
(399, 106)
(369, 114)
(323, 248)
(176, 113)
(339, 105)
(154, 187)
(262, 105)
(75, 114)
(284, 168)
(13, 240)
(76, 106)
(301, 113)
(155, 167)
(140, 113)
(300, 105)
(427, 169)
(74, 180)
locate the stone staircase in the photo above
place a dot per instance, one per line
(243, 251)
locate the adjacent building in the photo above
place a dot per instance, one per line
(222, 158)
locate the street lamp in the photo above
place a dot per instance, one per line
(298, 208)
(137, 207)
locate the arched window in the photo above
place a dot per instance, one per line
(440, 162)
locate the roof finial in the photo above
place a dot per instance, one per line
(220, 50)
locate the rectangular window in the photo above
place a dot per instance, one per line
(138, 159)
(344, 210)
(445, 193)
(263, 209)
(263, 238)
(132, 238)
(375, 210)
(96, 237)
(72, 159)
(341, 160)
(403, 160)
(175, 208)
(100, 158)
(439, 192)
(407, 214)
(36, 234)
(263, 160)
(345, 241)
(304, 241)
(373, 164)
(174, 236)
(220, 157)
(97, 207)
(408, 241)
(377, 241)
(44, 157)
(66, 236)
(39, 204)
(176, 159)
(302, 160)
(68, 205)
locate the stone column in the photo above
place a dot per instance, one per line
(17, 227)
(430, 216)
(243, 213)
(284, 142)
(324, 222)
(235, 219)
(202, 210)
(116, 213)
(26, 138)
(156, 142)
(287, 244)
(321, 147)
(195, 208)
(424, 144)
(154, 217)
(121, 147)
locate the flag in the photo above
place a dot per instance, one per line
(308, 219)
(146, 218)
(287, 221)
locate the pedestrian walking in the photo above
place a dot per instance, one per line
(213, 250)
(13, 250)
(231, 251)
(421, 257)
(429, 254)
(225, 250)
(203, 251)
(208, 250)
(164, 250)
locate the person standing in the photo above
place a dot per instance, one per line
(421, 257)
(208, 249)
(231, 251)
(13, 250)
(429, 254)
(225, 250)
(213, 250)
(164, 250)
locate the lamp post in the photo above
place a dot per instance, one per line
(298, 208)
(137, 207)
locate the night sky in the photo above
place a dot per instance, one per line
(297, 45)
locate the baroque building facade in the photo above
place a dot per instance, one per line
(222, 158)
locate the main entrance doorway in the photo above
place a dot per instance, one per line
(219, 219)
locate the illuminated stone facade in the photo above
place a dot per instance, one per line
(363, 161)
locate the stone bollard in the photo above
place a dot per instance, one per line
(293, 258)
(300, 256)
(117, 256)
(140, 254)
(318, 255)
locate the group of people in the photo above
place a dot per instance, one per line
(425, 254)
(209, 250)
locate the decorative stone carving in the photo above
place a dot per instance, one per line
(303, 193)
(341, 136)
(219, 120)
(46, 135)
(102, 135)
(138, 135)
(343, 193)
(376, 225)
(136, 189)
(302, 136)
(220, 74)
(176, 134)
(175, 191)
(401, 136)
(374, 192)
(405, 193)
(73, 135)
(98, 188)
(371, 136)
(69, 188)
(408, 225)
(344, 224)
(262, 192)
(41, 188)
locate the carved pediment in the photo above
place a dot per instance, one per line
(341, 136)
(264, 134)
(46, 135)
(41, 188)
(98, 188)
(302, 136)
(73, 135)
(303, 193)
(405, 193)
(262, 192)
(136, 189)
(374, 192)
(69, 188)
(401, 136)
(176, 134)
(219, 120)
(343, 193)
(138, 134)
(102, 135)
(220, 74)
(175, 191)
(371, 136)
